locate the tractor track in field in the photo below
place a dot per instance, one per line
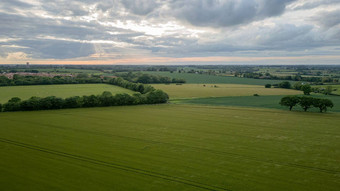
(116, 166)
(235, 155)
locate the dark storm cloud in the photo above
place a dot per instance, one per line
(216, 13)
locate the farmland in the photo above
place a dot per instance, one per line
(336, 88)
(270, 102)
(63, 91)
(211, 79)
(220, 90)
(173, 147)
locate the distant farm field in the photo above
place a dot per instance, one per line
(271, 102)
(211, 79)
(169, 147)
(219, 90)
(336, 88)
(67, 90)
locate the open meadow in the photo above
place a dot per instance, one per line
(220, 90)
(63, 91)
(169, 147)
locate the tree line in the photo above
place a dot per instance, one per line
(306, 102)
(314, 79)
(305, 87)
(146, 95)
(139, 77)
(19, 80)
(102, 100)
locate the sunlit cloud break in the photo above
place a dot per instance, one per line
(170, 32)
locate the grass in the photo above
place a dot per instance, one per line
(271, 102)
(209, 90)
(169, 147)
(210, 79)
(25, 92)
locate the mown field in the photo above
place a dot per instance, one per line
(210, 79)
(219, 90)
(271, 102)
(63, 91)
(169, 147)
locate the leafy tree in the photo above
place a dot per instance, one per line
(106, 99)
(12, 105)
(82, 75)
(322, 104)
(268, 86)
(31, 104)
(72, 102)
(297, 85)
(328, 90)
(306, 88)
(157, 96)
(139, 98)
(0, 107)
(285, 85)
(123, 99)
(306, 102)
(290, 101)
(90, 101)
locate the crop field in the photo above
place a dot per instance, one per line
(334, 87)
(210, 79)
(63, 91)
(271, 102)
(220, 90)
(169, 147)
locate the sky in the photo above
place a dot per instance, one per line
(170, 32)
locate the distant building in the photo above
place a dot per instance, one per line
(27, 64)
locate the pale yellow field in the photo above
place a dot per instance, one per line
(198, 90)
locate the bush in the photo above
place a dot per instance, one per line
(268, 86)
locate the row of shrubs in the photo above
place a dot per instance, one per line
(306, 102)
(105, 99)
(137, 87)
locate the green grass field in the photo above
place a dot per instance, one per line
(210, 79)
(271, 102)
(209, 90)
(169, 147)
(25, 92)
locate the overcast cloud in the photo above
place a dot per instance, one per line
(116, 31)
